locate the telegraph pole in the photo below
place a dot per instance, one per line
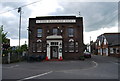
(90, 45)
(19, 11)
(79, 14)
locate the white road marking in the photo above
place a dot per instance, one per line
(115, 63)
(96, 64)
(35, 76)
(11, 66)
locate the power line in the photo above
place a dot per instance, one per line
(21, 6)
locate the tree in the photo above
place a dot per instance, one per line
(4, 41)
(24, 47)
(3, 36)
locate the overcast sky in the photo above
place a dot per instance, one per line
(99, 17)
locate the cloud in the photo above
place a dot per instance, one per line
(10, 20)
(96, 14)
(94, 34)
(44, 7)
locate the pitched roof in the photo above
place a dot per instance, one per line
(112, 38)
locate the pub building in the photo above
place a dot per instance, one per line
(56, 37)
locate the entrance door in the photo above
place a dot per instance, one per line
(54, 52)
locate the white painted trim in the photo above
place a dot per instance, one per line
(48, 48)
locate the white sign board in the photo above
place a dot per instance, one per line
(57, 21)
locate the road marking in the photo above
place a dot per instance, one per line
(115, 63)
(14, 66)
(96, 64)
(11, 66)
(36, 76)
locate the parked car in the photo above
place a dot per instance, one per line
(87, 55)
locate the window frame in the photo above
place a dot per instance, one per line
(111, 51)
(70, 32)
(117, 50)
(71, 46)
(39, 44)
(76, 46)
(56, 32)
(39, 33)
(33, 47)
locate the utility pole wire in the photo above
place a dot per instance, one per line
(20, 6)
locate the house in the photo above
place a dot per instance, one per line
(108, 44)
(56, 37)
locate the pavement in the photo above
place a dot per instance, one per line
(97, 67)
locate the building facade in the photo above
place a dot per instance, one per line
(108, 44)
(56, 37)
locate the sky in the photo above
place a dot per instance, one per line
(99, 17)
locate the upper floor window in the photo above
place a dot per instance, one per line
(105, 42)
(99, 43)
(70, 32)
(55, 31)
(39, 32)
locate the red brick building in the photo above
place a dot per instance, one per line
(56, 37)
(108, 44)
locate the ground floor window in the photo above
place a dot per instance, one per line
(44, 46)
(65, 47)
(104, 50)
(71, 46)
(33, 47)
(76, 46)
(111, 50)
(117, 51)
(39, 47)
(98, 50)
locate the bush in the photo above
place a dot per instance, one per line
(82, 58)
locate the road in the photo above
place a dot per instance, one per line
(97, 67)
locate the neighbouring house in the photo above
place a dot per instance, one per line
(56, 37)
(108, 44)
(93, 48)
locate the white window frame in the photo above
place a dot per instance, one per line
(117, 50)
(99, 43)
(111, 51)
(105, 41)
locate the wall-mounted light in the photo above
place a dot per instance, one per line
(47, 31)
(47, 44)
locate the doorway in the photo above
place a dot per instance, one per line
(54, 52)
